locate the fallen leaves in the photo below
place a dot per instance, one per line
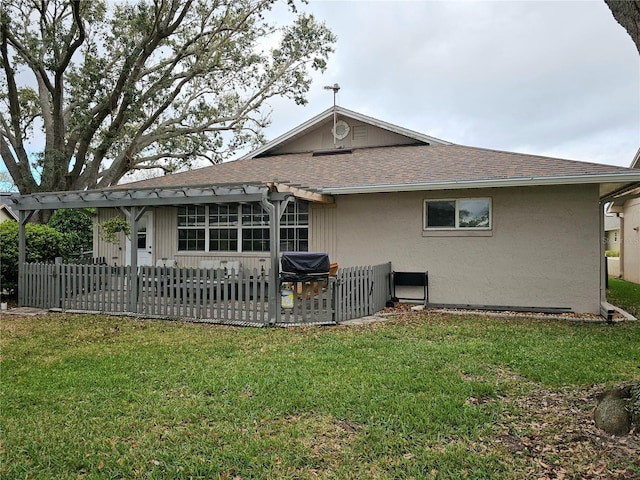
(553, 434)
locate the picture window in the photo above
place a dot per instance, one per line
(240, 228)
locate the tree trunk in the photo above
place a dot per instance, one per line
(627, 14)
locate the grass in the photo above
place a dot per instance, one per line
(423, 396)
(625, 295)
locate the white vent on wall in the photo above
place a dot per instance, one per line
(359, 131)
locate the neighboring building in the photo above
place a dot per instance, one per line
(6, 213)
(612, 232)
(493, 228)
(612, 237)
(628, 209)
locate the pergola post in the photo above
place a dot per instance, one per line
(273, 208)
(23, 218)
(132, 216)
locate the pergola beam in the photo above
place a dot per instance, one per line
(144, 197)
(304, 194)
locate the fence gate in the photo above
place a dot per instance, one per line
(361, 291)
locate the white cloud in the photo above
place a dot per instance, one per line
(559, 78)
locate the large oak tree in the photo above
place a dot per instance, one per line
(146, 85)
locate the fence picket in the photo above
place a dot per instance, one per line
(233, 294)
(32, 286)
(26, 292)
(115, 288)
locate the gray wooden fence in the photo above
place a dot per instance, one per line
(207, 295)
(361, 291)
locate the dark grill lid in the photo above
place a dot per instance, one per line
(304, 266)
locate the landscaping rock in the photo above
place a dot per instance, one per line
(611, 414)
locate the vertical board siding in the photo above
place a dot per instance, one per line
(323, 230)
(165, 234)
(208, 295)
(114, 254)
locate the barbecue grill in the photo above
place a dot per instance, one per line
(304, 266)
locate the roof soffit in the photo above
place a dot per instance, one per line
(609, 184)
(618, 201)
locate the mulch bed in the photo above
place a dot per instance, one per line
(554, 433)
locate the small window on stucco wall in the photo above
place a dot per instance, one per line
(457, 214)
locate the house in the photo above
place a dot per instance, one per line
(6, 212)
(627, 208)
(492, 228)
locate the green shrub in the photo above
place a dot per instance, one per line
(44, 244)
(110, 229)
(77, 228)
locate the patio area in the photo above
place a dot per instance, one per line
(206, 295)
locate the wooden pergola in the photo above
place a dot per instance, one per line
(134, 202)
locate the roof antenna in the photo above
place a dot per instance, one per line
(335, 87)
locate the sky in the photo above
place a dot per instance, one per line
(552, 78)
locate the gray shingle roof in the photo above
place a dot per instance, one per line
(386, 166)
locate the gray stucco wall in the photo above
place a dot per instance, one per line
(542, 251)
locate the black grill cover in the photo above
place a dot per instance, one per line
(304, 266)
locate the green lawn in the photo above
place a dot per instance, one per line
(423, 396)
(625, 295)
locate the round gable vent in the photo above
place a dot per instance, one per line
(341, 130)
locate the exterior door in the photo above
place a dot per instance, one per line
(144, 242)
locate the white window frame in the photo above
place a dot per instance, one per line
(296, 221)
(239, 226)
(220, 226)
(193, 227)
(456, 226)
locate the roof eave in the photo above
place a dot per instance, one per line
(636, 160)
(618, 201)
(487, 183)
(10, 212)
